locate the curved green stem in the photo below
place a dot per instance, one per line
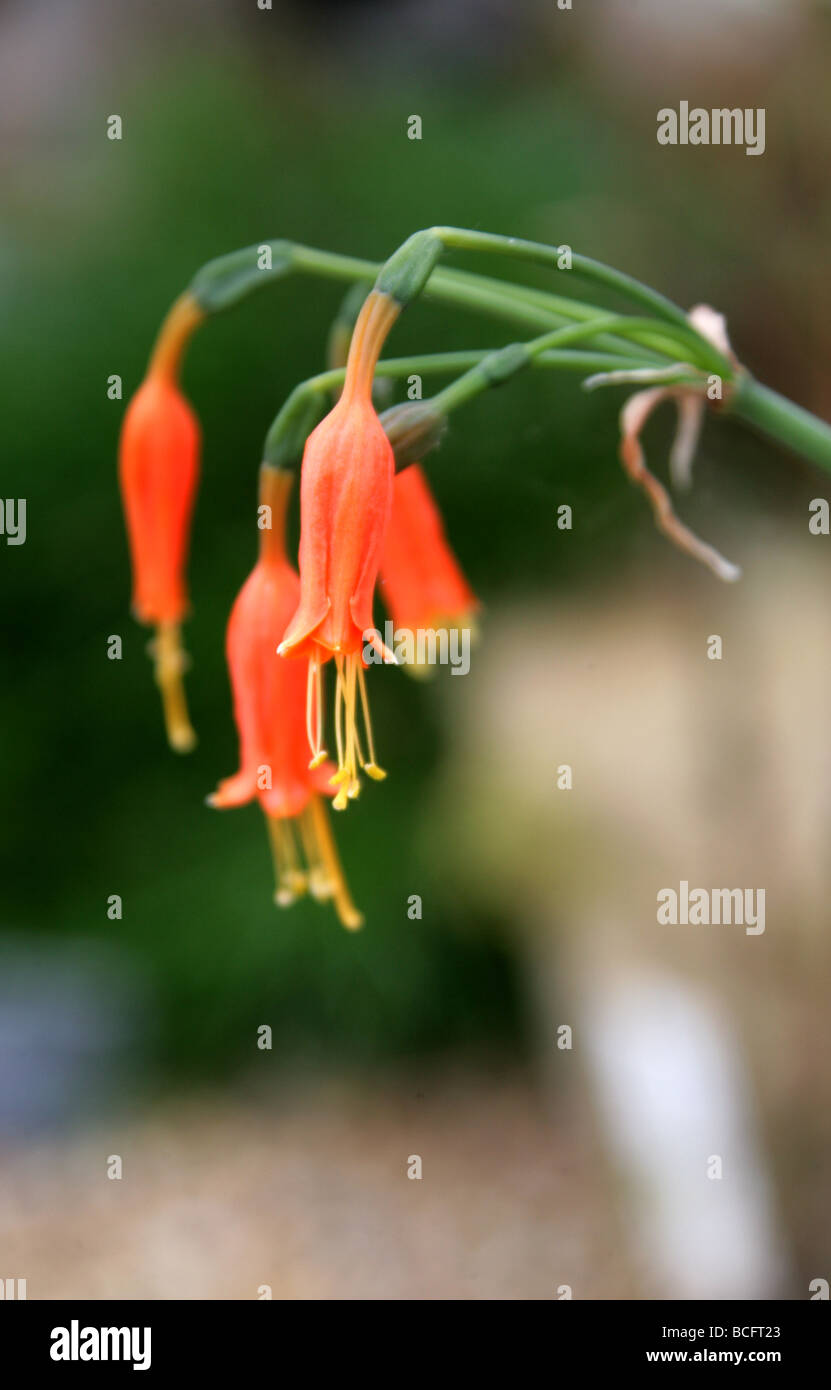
(224, 282)
(781, 420)
(301, 411)
(460, 238)
(498, 366)
(406, 272)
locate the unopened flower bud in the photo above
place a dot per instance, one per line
(413, 428)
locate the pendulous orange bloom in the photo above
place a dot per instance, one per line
(420, 579)
(158, 473)
(345, 500)
(270, 712)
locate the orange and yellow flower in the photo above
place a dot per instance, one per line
(159, 473)
(270, 712)
(345, 501)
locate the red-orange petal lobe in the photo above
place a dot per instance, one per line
(235, 790)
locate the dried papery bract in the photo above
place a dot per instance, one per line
(690, 401)
(159, 474)
(270, 713)
(632, 420)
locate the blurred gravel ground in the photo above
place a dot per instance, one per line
(309, 1194)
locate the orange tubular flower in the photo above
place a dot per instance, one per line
(345, 500)
(421, 582)
(159, 471)
(270, 713)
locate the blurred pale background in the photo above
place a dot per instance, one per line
(542, 1168)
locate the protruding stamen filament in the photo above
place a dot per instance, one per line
(170, 663)
(351, 739)
(326, 854)
(290, 880)
(370, 766)
(350, 686)
(342, 775)
(320, 885)
(314, 714)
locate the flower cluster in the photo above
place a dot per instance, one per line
(359, 522)
(367, 529)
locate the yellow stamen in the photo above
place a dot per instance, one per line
(320, 885)
(371, 766)
(290, 880)
(350, 687)
(170, 663)
(323, 876)
(314, 715)
(327, 854)
(351, 759)
(339, 711)
(319, 710)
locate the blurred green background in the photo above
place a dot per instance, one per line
(238, 125)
